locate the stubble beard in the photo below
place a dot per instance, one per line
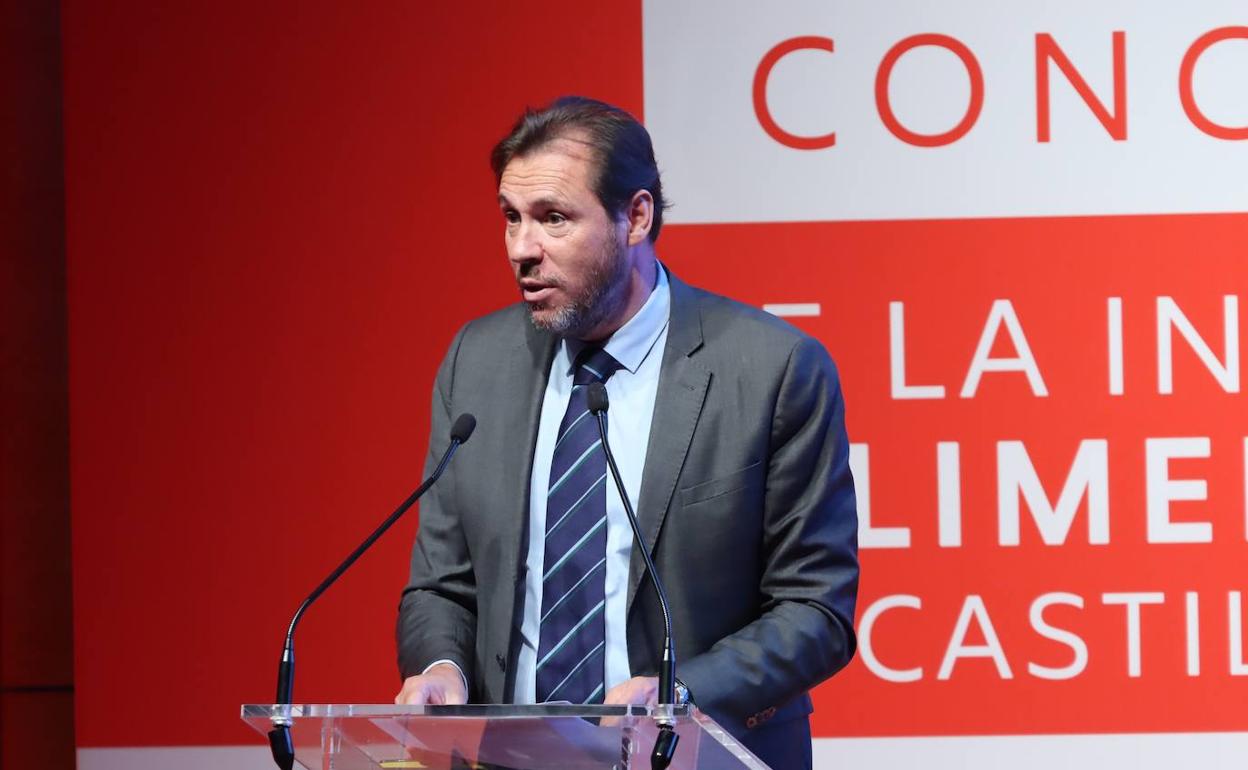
(603, 296)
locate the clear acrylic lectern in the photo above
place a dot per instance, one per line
(567, 737)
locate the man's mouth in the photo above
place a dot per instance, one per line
(536, 291)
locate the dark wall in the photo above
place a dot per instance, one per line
(36, 656)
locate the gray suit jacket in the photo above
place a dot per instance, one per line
(746, 503)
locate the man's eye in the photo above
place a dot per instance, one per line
(512, 217)
(555, 218)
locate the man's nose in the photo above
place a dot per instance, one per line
(524, 243)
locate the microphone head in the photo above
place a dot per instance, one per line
(597, 397)
(463, 427)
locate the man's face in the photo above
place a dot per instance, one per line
(567, 253)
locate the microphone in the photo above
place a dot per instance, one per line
(279, 737)
(665, 743)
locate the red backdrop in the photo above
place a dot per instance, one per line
(279, 214)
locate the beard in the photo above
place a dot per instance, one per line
(603, 295)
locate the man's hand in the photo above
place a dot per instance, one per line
(441, 685)
(641, 690)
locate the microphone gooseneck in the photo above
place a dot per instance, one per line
(665, 743)
(279, 736)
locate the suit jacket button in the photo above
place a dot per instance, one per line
(502, 662)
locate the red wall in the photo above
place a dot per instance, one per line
(277, 216)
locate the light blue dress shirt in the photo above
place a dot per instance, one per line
(638, 346)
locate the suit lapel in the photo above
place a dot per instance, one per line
(677, 406)
(526, 373)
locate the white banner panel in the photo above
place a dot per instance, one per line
(814, 110)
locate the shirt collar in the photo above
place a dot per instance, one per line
(631, 344)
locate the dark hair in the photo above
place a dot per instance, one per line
(623, 153)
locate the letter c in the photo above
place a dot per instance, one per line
(864, 638)
(763, 112)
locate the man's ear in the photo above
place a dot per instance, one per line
(639, 214)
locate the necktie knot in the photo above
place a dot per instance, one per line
(594, 365)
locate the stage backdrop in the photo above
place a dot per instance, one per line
(1019, 229)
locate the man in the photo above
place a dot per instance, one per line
(728, 425)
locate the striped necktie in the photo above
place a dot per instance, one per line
(572, 643)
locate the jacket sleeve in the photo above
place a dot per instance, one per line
(437, 611)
